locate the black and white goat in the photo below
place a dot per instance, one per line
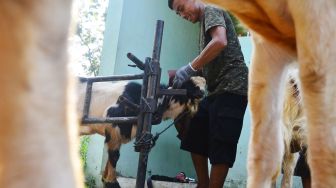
(107, 101)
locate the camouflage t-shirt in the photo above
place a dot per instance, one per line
(227, 72)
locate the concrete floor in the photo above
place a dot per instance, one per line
(130, 183)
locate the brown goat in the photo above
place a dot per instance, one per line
(38, 130)
(286, 31)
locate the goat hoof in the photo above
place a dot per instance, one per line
(112, 185)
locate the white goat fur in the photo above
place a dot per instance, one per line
(284, 31)
(104, 95)
(38, 130)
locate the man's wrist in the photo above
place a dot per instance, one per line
(192, 68)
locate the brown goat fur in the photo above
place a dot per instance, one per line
(38, 132)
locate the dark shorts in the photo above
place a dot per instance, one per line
(302, 168)
(215, 129)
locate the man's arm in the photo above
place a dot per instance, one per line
(213, 48)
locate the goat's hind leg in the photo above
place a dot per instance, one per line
(316, 44)
(113, 142)
(266, 142)
(288, 166)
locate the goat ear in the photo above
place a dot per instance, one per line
(199, 82)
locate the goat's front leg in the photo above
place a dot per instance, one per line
(317, 59)
(265, 86)
(113, 142)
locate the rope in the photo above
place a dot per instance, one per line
(150, 140)
(175, 121)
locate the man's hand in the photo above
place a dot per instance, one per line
(183, 74)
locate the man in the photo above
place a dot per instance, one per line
(214, 131)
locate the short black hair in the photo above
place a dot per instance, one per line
(170, 4)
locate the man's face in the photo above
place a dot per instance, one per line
(187, 9)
